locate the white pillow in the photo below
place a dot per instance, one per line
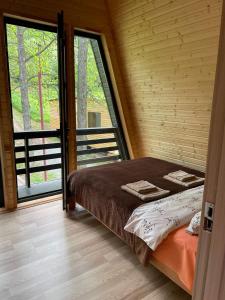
(194, 226)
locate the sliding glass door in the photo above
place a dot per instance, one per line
(100, 137)
(36, 71)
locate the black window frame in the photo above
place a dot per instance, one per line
(8, 20)
(98, 38)
(30, 24)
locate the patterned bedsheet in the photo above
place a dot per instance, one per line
(153, 221)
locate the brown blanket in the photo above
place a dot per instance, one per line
(98, 189)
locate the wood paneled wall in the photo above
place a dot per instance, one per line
(167, 53)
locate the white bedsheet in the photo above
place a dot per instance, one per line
(153, 221)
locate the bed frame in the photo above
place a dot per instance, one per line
(71, 208)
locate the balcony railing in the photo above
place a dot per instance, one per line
(94, 146)
(97, 145)
(27, 137)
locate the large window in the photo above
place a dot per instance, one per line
(33, 69)
(35, 55)
(100, 136)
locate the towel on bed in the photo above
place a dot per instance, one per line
(192, 183)
(142, 187)
(145, 197)
(182, 176)
(153, 221)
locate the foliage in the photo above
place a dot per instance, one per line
(38, 177)
(35, 41)
(41, 55)
(41, 58)
(95, 91)
(34, 107)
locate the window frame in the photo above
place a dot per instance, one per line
(122, 140)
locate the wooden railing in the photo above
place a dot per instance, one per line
(87, 145)
(103, 149)
(27, 137)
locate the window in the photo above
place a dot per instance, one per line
(100, 136)
(33, 71)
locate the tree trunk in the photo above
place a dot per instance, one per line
(23, 79)
(82, 83)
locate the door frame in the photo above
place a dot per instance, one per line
(211, 250)
(61, 43)
(37, 26)
(52, 27)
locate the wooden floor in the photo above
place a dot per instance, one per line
(46, 255)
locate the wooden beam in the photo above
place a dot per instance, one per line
(6, 128)
(210, 258)
(72, 156)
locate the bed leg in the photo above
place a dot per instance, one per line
(71, 206)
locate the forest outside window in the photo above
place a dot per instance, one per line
(96, 107)
(34, 88)
(33, 58)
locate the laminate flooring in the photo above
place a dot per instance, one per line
(46, 255)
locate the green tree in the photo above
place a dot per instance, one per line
(23, 78)
(82, 83)
(25, 47)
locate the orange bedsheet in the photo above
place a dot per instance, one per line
(178, 253)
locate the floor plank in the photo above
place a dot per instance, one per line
(44, 254)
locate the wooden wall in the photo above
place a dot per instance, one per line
(167, 53)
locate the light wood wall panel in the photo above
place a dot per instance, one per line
(167, 52)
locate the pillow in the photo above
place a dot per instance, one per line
(194, 226)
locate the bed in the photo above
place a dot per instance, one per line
(98, 190)
(176, 257)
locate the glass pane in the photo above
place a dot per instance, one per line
(33, 70)
(94, 107)
(91, 105)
